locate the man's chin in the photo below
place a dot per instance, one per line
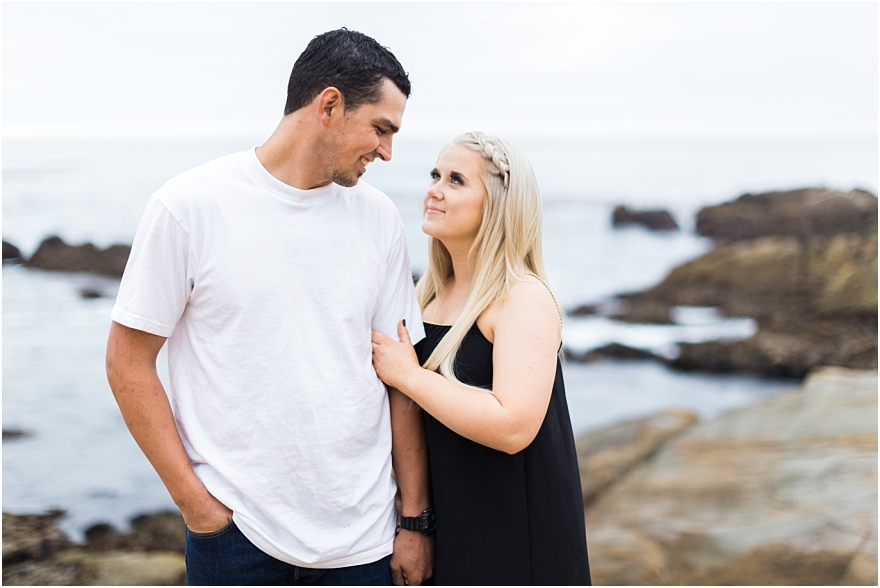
(346, 179)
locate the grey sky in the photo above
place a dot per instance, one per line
(220, 69)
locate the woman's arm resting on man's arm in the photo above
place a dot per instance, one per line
(413, 552)
(131, 371)
(526, 337)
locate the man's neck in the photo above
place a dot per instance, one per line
(289, 154)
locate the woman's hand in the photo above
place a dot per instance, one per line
(394, 361)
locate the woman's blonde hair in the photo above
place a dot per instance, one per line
(507, 246)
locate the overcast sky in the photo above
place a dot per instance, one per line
(220, 69)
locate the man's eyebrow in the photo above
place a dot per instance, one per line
(387, 123)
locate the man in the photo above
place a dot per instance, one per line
(265, 271)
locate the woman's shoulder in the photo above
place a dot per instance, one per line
(528, 306)
(530, 293)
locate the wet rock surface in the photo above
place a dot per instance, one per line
(781, 493)
(36, 552)
(54, 254)
(655, 220)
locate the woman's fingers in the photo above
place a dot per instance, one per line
(403, 333)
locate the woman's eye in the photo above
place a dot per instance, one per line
(379, 131)
(456, 179)
(435, 175)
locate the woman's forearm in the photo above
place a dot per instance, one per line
(473, 414)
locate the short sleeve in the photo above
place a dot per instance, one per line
(398, 298)
(157, 280)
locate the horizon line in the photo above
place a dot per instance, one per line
(140, 130)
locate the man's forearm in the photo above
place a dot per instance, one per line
(148, 415)
(413, 559)
(409, 453)
(131, 372)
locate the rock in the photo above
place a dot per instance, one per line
(604, 456)
(36, 552)
(644, 311)
(612, 350)
(90, 293)
(604, 308)
(784, 492)
(764, 277)
(9, 434)
(102, 537)
(788, 353)
(162, 531)
(42, 573)
(815, 303)
(55, 254)
(120, 568)
(805, 214)
(76, 567)
(29, 537)
(11, 254)
(584, 310)
(656, 220)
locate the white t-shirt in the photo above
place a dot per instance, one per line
(268, 294)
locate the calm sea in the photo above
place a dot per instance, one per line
(77, 454)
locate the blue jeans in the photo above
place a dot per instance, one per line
(227, 558)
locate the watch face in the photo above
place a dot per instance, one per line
(427, 521)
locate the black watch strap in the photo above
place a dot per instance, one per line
(425, 523)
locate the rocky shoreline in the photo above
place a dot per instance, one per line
(37, 553)
(781, 492)
(56, 255)
(803, 264)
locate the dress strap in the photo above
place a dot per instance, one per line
(551, 295)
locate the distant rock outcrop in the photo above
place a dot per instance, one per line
(806, 214)
(815, 304)
(782, 493)
(656, 220)
(55, 254)
(610, 351)
(11, 254)
(811, 285)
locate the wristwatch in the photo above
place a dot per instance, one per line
(425, 523)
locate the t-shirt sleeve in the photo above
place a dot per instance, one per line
(157, 281)
(398, 298)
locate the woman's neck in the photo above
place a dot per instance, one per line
(448, 306)
(462, 266)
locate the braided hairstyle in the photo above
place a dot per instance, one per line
(507, 246)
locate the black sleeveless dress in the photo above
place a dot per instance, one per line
(505, 519)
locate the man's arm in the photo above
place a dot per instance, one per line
(413, 558)
(131, 371)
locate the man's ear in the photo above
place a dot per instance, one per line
(330, 104)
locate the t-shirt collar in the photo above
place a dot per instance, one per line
(275, 186)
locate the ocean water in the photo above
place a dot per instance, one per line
(78, 455)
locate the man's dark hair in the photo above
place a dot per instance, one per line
(351, 62)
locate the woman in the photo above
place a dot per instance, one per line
(504, 476)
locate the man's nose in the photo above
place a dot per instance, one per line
(384, 149)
